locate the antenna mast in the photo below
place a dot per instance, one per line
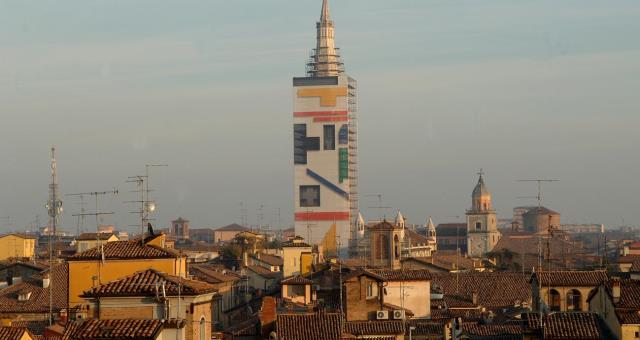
(97, 212)
(380, 208)
(54, 209)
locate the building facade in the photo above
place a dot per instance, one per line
(482, 230)
(325, 144)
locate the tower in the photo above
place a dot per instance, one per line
(431, 230)
(482, 231)
(325, 145)
(386, 245)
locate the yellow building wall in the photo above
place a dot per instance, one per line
(81, 273)
(15, 246)
(306, 262)
(629, 332)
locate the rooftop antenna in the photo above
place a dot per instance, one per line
(539, 195)
(243, 214)
(151, 205)
(260, 216)
(97, 213)
(8, 219)
(54, 209)
(381, 209)
(144, 205)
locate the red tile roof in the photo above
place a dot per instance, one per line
(13, 333)
(124, 250)
(635, 267)
(271, 260)
(113, 329)
(497, 289)
(566, 325)
(415, 238)
(38, 301)
(403, 274)
(266, 273)
(296, 280)
(382, 327)
(212, 274)
(567, 278)
(309, 326)
(492, 330)
(149, 283)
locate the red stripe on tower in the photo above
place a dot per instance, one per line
(323, 216)
(319, 113)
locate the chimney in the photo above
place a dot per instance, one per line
(615, 290)
(474, 297)
(46, 281)
(63, 317)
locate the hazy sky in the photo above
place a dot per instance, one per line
(523, 89)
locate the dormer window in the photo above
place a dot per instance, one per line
(24, 296)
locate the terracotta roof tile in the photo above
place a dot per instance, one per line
(415, 238)
(271, 260)
(94, 236)
(309, 326)
(426, 328)
(571, 278)
(635, 267)
(567, 325)
(233, 227)
(296, 280)
(497, 289)
(113, 329)
(148, 283)
(403, 274)
(35, 327)
(38, 301)
(493, 330)
(13, 333)
(390, 327)
(124, 250)
(264, 272)
(629, 293)
(212, 275)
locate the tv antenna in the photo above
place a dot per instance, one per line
(97, 213)
(380, 207)
(539, 195)
(147, 189)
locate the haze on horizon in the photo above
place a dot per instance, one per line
(522, 89)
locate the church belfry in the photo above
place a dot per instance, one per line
(482, 231)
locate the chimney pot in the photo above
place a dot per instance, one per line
(46, 281)
(615, 291)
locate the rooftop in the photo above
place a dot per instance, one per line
(124, 250)
(233, 227)
(566, 325)
(148, 283)
(113, 329)
(38, 301)
(13, 333)
(497, 289)
(309, 326)
(296, 280)
(94, 236)
(271, 260)
(569, 278)
(212, 274)
(402, 274)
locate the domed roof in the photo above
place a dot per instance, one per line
(480, 189)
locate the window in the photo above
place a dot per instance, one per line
(309, 195)
(329, 137)
(202, 329)
(299, 150)
(396, 247)
(372, 290)
(554, 300)
(478, 225)
(574, 300)
(343, 134)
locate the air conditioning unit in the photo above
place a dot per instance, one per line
(382, 315)
(398, 314)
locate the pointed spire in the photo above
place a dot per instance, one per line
(325, 61)
(431, 228)
(360, 220)
(430, 224)
(400, 219)
(324, 15)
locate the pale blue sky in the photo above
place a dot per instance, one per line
(520, 88)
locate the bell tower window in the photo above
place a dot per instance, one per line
(478, 225)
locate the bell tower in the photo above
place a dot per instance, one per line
(482, 230)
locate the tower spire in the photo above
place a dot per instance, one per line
(325, 60)
(324, 16)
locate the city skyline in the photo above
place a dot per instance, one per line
(550, 99)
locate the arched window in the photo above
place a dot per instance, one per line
(574, 300)
(203, 329)
(554, 300)
(396, 247)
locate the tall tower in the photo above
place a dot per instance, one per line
(482, 231)
(325, 146)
